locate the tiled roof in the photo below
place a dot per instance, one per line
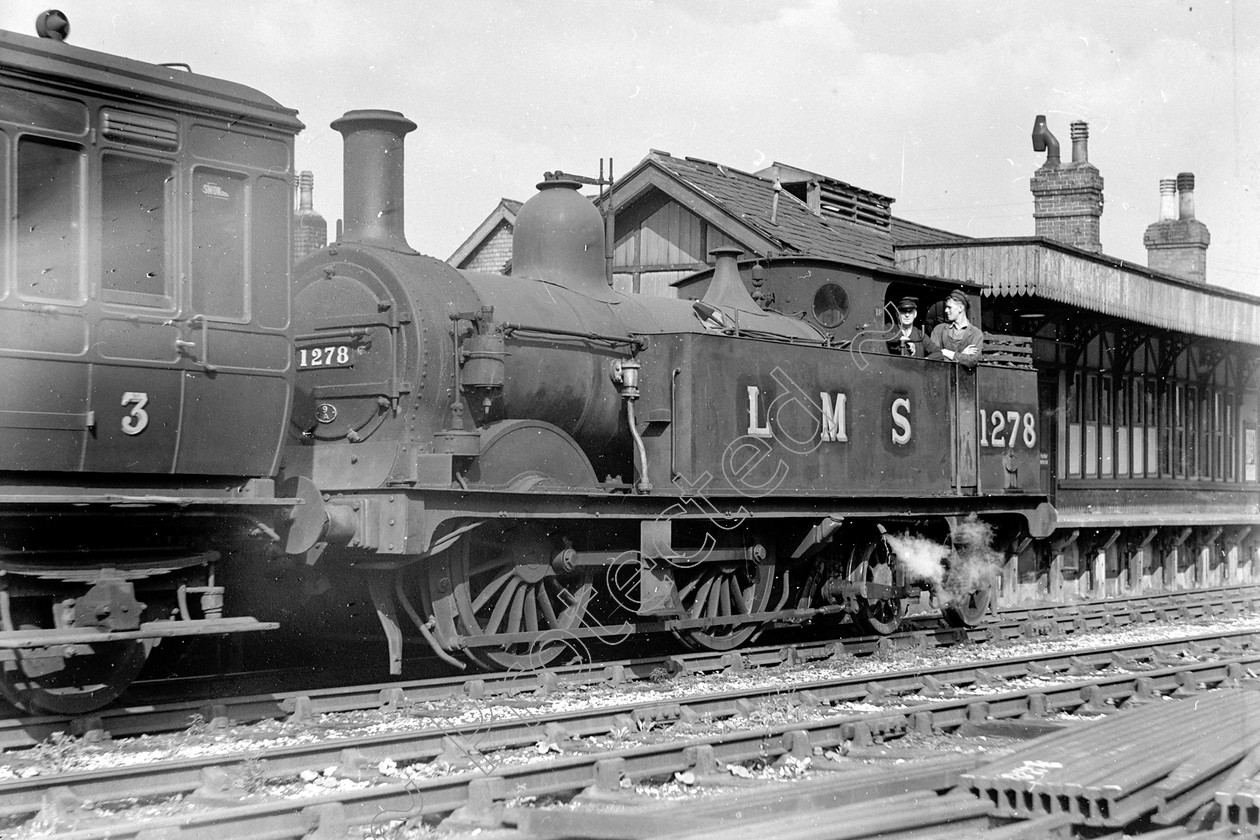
(905, 232)
(795, 229)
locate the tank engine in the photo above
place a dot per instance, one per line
(531, 464)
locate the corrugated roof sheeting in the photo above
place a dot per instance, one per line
(1030, 268)
(750, 198)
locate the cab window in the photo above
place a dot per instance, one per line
(49, 216)
(136, 196)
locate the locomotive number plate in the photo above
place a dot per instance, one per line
(326, 356)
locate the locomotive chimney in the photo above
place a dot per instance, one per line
(373, 191)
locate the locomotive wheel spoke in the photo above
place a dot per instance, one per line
(685, 592)
(491, 588)
(504, 586)
(543, 601)
(717, 591)
(704, 600)
(529, 608)
(501, 605)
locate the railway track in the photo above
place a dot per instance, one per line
(1008, 624)
(486, 750)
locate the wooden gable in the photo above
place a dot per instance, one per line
(658, 241)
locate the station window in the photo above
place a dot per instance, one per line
(1106, 428)
(1202, 433)
(1165, 430)
(1123, 429)
(135, 197)
(1218, 435)
(1192, 431)
(49, 215)
(1091, 425)
(1231, 446)
(1137, 427)
(219, 244)
(1179, 430)
(1075, 408)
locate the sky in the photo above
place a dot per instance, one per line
(929, 102)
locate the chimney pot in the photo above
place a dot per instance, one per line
(1185, 190)
(310, 231)
(306, 187)
(1080, 142)
(1167, 199)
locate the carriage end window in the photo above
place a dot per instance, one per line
(135, 196)
(218, 244)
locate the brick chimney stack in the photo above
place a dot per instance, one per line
(310, 231)
(1068, 197)
(1178, 245)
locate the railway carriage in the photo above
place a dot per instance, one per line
(145, 365)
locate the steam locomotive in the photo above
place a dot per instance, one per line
(518, 468)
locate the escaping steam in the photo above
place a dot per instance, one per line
(971, 564)
(921, 558)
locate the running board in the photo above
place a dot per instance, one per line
(28, 639)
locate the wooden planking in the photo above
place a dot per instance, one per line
(670, 236)
(657, 283)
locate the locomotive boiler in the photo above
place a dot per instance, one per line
(531, 464)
